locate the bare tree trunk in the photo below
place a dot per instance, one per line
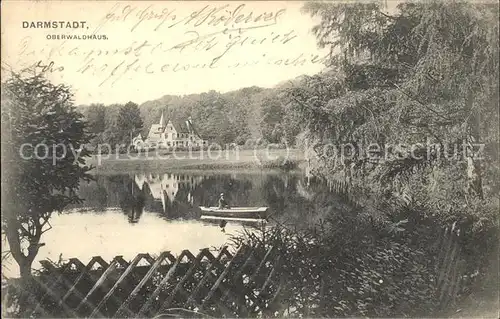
(25, 269)
(474, 183)
(13, 231)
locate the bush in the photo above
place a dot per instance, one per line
(337, 274)
(282, 163)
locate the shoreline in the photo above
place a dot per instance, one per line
(247, 160)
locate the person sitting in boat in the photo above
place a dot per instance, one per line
(222, 226)
(222, 202)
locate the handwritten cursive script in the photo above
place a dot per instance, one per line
(160, 40)
(229, 16)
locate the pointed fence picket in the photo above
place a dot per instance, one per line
(203, 283)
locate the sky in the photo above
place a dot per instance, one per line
(140, 51)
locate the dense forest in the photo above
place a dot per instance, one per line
(419, 84)
(243, 116)
(405, 118)
(414, 96)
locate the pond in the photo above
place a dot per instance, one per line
(133, 213)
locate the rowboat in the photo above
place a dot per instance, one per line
(235, 212)
(245, 221)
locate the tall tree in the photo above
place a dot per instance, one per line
(96, 117)
(428, 71)
(212, 115)
(129, 122)
(272, 117)
(43, 160)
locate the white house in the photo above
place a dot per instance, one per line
(171, 134)
(165, 187)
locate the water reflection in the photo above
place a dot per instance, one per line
(170, 195)
(132, 213)
(290, 197)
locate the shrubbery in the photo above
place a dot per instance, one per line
(365, 272)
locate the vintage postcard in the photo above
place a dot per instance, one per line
(250, 159)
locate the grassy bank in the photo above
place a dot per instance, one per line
(199, 160)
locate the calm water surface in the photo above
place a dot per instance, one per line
(145, 212)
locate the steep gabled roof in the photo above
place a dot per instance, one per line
(192, 127)
(140, 180)
(180, 126)
(155, 131)
(162, 122)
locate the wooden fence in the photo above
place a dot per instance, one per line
(450, 266)
(238, 284)
(241, 283)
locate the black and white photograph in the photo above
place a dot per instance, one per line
(250, 159)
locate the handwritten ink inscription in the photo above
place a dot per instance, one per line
(208, 15)
(163, 40)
